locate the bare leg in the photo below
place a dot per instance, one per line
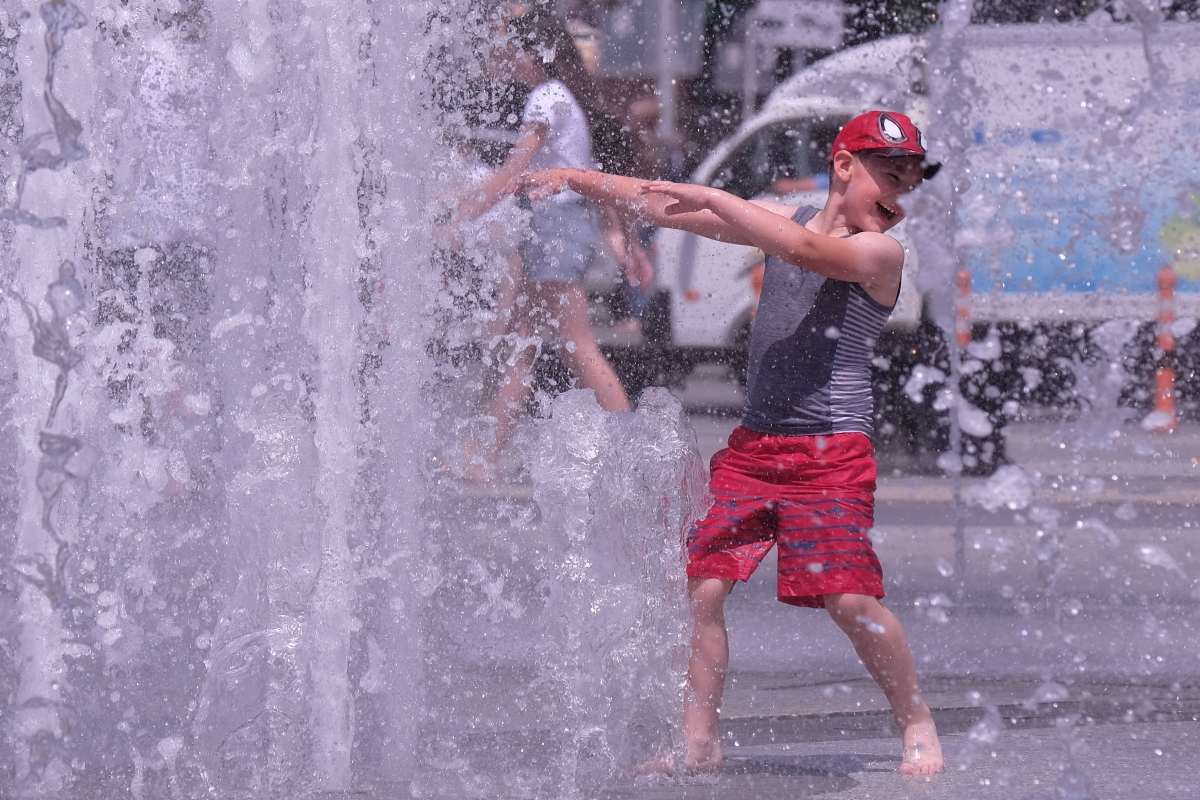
(707, 666)
(506, 298)
(566, 304)
(706, 672)
(507, 385)
(504, 408)
(560, 310)
(880, 643)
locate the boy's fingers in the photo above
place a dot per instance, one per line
(656, 187)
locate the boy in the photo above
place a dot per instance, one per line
(799, 472)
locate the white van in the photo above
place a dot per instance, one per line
(1077, 174)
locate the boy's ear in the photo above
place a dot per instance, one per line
(841, 165)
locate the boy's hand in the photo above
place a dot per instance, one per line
(538, 185)
(688, 197)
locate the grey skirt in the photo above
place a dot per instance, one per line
(562, 244)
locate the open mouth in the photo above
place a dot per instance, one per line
(888, 212)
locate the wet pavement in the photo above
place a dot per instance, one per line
(1060, 603)
(1143, 761)
(1065, 599)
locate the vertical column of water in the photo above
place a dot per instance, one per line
(50, 616)
(11, 127)
(934, 221)
(617, 492)
(276, 709)
(1132, 191)
(255, 202)
(331, 323)
(569, 469)
(159, 524)
(400, 168)
(324, 150)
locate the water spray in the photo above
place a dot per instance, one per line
(64, 458)
(61, 17)
(937, 207)
(51, 341)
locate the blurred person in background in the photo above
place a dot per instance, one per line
(561, 116)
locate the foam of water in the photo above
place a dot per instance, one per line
(1009, 487)
(611, 484)
(204, 535)
(61, 17)
(225, 578)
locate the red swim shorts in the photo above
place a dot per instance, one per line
(814, 496)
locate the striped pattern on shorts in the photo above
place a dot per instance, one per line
(813, 499)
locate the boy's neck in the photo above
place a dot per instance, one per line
(830, 221)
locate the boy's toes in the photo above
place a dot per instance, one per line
(917, 762)
(658, 766)
(922, 750)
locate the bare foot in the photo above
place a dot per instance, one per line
(922, 750)
(703, 755)
(664, 765)
(702, 758)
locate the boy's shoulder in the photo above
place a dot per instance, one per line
(782, 209)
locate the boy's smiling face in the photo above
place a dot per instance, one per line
(873, 186)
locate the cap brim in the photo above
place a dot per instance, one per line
(899, 152)
(890, 152)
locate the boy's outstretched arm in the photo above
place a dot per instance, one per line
(871, 259)
(628, 197)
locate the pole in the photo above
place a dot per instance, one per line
(1164, 377)
(962, 338)
(668, 40)
(962, 309)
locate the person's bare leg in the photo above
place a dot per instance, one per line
(504, 408)
(507, 291)
(880, 643)
(566, 303)
(707, 665)
(508, 385)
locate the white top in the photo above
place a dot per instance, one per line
(568, 144)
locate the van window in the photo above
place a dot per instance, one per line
(792, 149)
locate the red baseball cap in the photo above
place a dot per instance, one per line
(888, 133)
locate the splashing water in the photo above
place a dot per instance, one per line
(981, 738)
(256, 596)
(51, 341)
(61, 17)
(1155, 556)
(1009, 487)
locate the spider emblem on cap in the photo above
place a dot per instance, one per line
(891, 130)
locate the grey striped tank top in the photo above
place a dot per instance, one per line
(810, 352)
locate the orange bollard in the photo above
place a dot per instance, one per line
(1164, 376)
(962, 309)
